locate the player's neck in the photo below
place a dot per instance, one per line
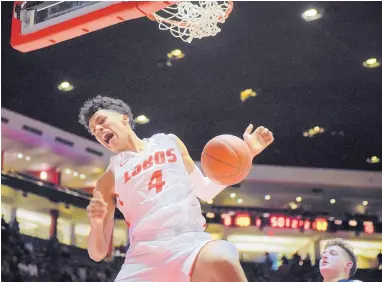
(134, 143)
(334, 278)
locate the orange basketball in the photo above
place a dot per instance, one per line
(226, 159)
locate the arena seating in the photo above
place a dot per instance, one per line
(31, 259)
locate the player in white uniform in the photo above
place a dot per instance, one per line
(155, 184)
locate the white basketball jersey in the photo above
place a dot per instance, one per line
(154, 191)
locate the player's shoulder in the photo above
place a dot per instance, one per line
(105, 185)
(173, 137)
(106, 181)
(176, 140)
(160, 137)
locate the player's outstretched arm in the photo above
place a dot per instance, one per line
(101, 216)
(205, 188)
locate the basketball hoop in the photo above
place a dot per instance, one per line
(197, 19)
(40, 24)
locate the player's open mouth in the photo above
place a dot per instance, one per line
(107, 137)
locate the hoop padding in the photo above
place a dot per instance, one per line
(198, 19)
(113, 14)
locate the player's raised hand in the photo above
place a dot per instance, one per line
(257, 140)
(97, 210)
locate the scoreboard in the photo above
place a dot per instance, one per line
(319, 224)
(287, 222)
(275, 221)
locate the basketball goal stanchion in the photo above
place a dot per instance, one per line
(39, 24)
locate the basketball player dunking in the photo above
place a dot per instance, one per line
(155, 184)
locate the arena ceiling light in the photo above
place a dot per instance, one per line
(338, 222)
(246, 94)
(21, 156)
(142, 119)
(371, 63)
(172, 56)
(175, 54)
(313, 131)
(232, 195)
(353, 223)
(298, 199)
(210, 215)
(373, 160)
(312, 14)
(65, 86)
(267, 197)
(43, 175)
(240, 201)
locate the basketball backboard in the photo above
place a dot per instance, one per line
(39, 24)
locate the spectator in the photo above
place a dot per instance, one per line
(296, 259)
(32, 268)
(379, 259)
(15, 225)
(4, 224)
(284, 260)
(307, 262)
(268, 261)
(4, 230)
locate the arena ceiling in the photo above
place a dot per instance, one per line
(305, 74)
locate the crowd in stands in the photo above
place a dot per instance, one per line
(31, 259)
(297, 269)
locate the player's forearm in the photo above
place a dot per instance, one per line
(205, 188)
(97, 244)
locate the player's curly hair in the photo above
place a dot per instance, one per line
(99, 102)
(348, 249)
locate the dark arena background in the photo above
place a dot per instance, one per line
(309, 71)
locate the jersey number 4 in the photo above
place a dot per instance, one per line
(156, 181)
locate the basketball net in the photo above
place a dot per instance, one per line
(197, 19)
